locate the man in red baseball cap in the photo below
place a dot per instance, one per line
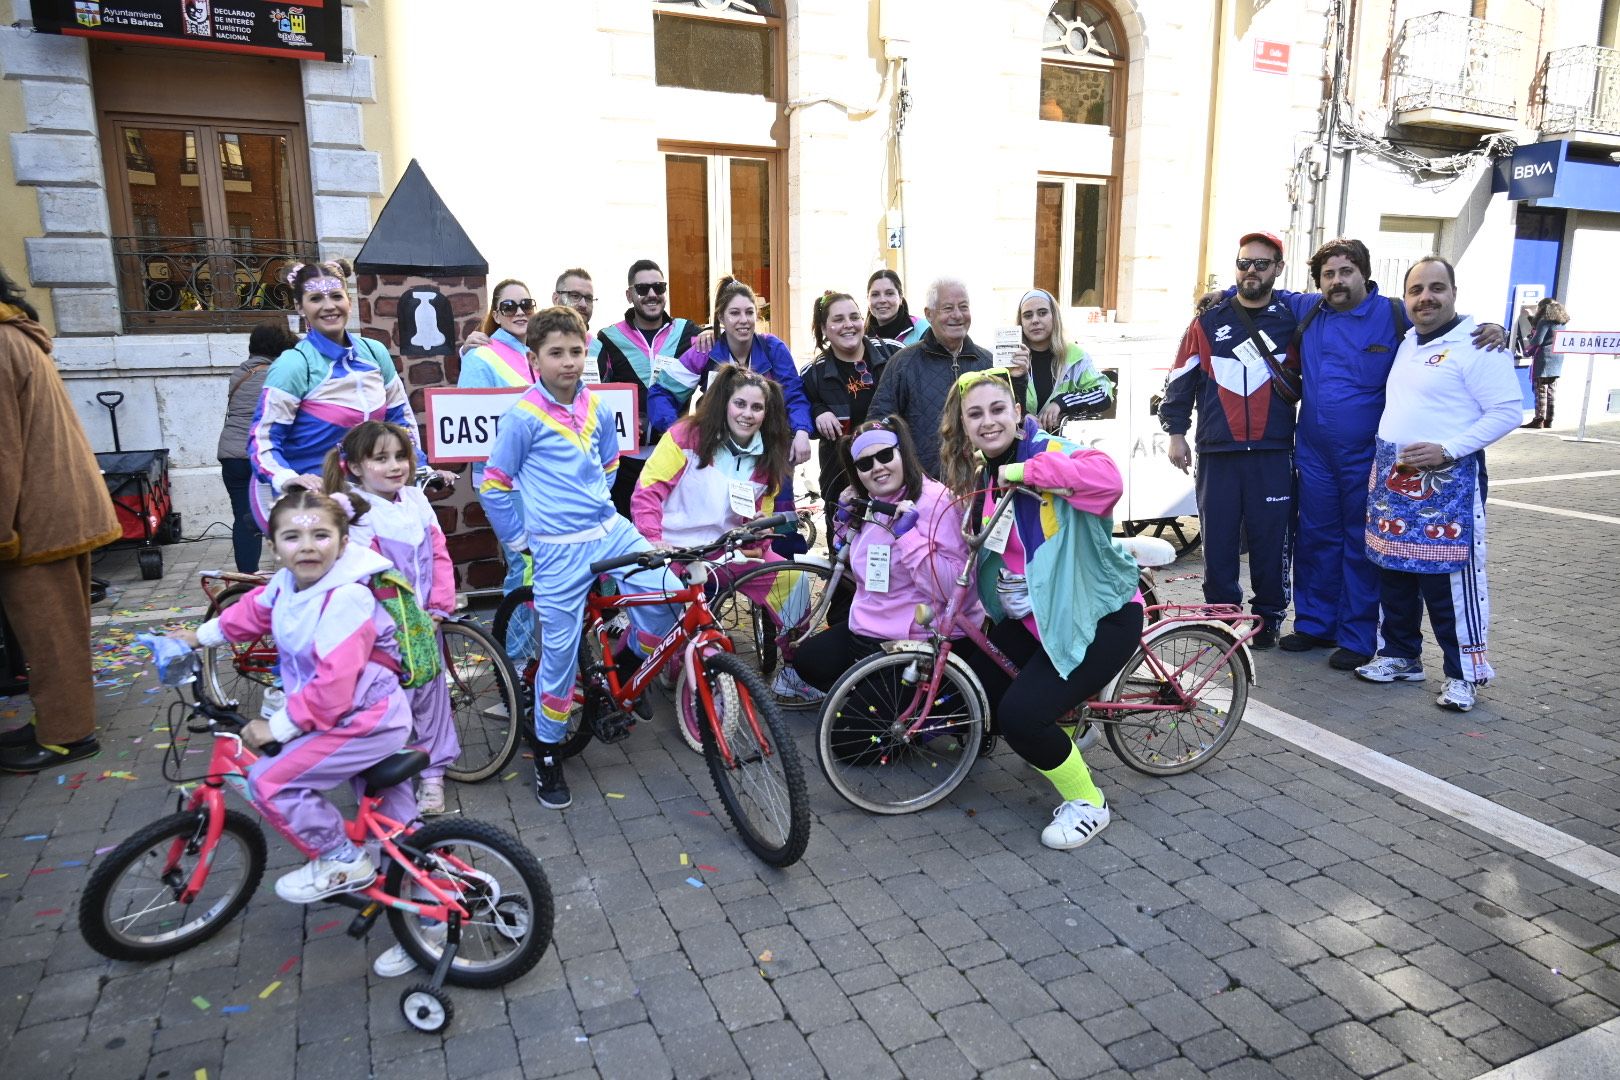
(1233, 367)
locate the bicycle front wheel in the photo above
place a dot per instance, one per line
(526, 666)
(497, 880)
(763, 787)
(237, 674)
(866, 750)
(1195, 668)
(754, 631)
(132, 907)
(484, 701)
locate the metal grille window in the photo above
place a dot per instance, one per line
(213, 220)
(730, 47)
(1578, 90)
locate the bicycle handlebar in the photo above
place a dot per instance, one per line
(647, 559)
(976, 539)
(235, 721)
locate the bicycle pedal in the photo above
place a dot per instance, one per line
(612, 727)
(361, 924)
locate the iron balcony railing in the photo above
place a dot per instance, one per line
(1578, 89)
(1453, 62)
(203, 283)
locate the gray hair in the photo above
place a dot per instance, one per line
(940, 284)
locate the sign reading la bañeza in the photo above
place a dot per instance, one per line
(1587, 341)
(462, 423)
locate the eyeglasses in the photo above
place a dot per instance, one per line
(881, 457)
(577, 297)
(1261, 265)
(512, 307)
(657, 288)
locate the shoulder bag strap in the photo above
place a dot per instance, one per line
(238, 380)
(1285, 383)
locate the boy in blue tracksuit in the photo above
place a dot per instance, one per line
(557, 445)
(1245, 434)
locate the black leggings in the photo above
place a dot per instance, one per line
(823, 658)
(1027, 708)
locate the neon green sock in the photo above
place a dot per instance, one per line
(1073, 779)
(1069, 730)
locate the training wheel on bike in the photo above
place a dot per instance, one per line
(426, 1009)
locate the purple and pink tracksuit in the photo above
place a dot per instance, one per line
(406, 532)
(345, 709)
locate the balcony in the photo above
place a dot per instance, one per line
(1456, 73)
(173, 282)
(1577, 96)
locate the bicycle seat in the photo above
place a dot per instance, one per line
(394, 769)
(1148, 550)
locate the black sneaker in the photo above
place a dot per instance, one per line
(1346, 660)
(550, 787)
(1300, 641)
(1265, 639)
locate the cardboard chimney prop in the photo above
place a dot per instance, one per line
(422, 287)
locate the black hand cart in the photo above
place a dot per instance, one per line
(138, 481)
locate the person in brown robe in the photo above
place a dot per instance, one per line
(54, 510)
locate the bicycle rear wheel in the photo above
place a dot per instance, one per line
(866, 752)
(1193, 666)
(503, 888)
(131, 909)
(526, 666)
(753, 630)
(237, 674)
(484, 701)
(763, 788)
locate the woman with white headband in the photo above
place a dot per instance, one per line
(1064, 383)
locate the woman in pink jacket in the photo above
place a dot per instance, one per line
(899, 559)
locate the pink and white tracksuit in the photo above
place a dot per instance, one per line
(345, 709)
(406, 532)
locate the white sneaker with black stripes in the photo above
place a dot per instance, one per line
(1073, 823)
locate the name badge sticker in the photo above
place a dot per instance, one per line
(877, 568)
(743, 502)
(997, 540)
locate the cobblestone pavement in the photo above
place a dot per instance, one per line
(1269, 916)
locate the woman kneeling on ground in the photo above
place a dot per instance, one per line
(1062, 593)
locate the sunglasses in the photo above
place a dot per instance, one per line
(512, 307)
(1261, 265)
(969, 379)
(882, 457)
(863, 372)
(656, 288)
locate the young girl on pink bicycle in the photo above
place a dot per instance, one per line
(715, 470)
(376, 460)
(1063, 594)
(345, 710)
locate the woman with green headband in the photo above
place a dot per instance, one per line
(1062, 593)
(1064, 383)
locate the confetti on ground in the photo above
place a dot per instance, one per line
(234, 1009)
(508, 776)
(707, 869)
(104, 850)
(694, 882)
(767, 956)
(581, 1038)
(37, 836)
(153, 690)
(324, 927)
(201, 1003)
(1474, 734)
(47, 911)
(72, 862)
(41, 870)
(287, 965)
(61, 779)
(683, 858)
(614, 795)
(200, 1074)
(267, 991)
(700, 813)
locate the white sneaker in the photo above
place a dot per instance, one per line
(1383, 669)
(430, 798)
(395, 961)
(1073, 823)
(275, 700)
(1087, 737)
(789, 688)
(1458, 695)
(320, 878)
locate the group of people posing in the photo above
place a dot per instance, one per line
(1344, 432)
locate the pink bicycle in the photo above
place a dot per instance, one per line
(901, 728)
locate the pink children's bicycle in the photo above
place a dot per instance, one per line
(900, 729)
(468, 902)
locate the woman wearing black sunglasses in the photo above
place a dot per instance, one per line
(901, 558)
(502, 360)
(839, 383)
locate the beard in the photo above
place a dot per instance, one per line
(1253, 290)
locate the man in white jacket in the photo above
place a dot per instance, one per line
(1446, 401)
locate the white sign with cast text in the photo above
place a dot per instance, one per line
(1606, 342)
(462, 422)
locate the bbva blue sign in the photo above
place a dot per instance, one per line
(1532, 172)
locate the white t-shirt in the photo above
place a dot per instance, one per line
(1451, 393)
